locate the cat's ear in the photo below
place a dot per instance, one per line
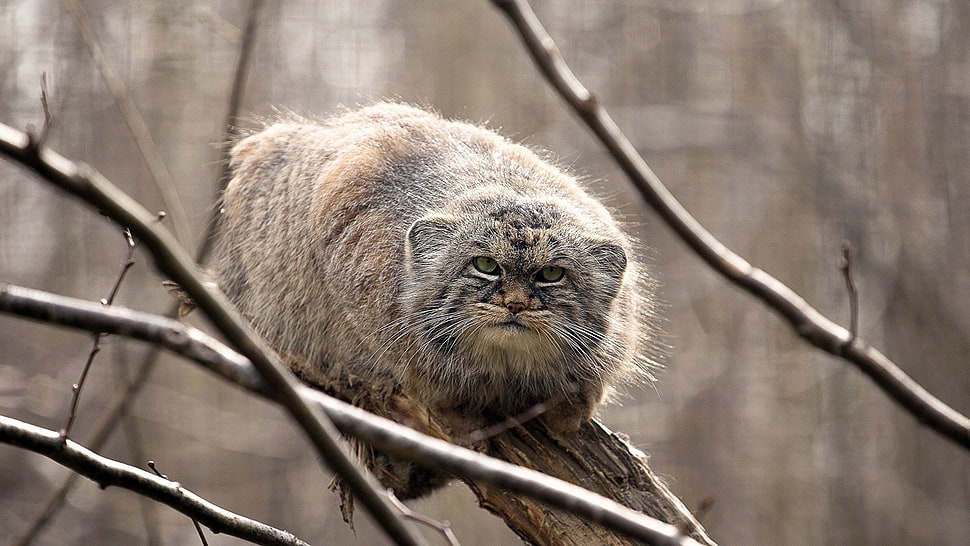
(426, 235)
(610, 257)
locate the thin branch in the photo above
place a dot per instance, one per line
(443, 527)
(117, 409)
(230, 130)
(48, 116)
(65, 431)
(107, 472)
(479, 435)
(166, 333)
(809, 323)
(845, 265)
(91, 187)
(96, 344)
(390, 437)
(218, 24)
(131, 427)
(136, 124)
(198, 528)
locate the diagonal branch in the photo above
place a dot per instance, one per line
(384, 434)
(809, 323)
(107, 472)
(91, 187)
(136, 124)
(230, 129)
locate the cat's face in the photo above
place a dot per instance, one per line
(512, 287)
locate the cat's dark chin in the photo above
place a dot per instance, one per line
(513, 326)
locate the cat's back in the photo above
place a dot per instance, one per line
(389, 157)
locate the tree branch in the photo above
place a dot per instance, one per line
(230, 129)
(107, 472)
(87, 184)
(163, 332)
(809, 323)
(390, 437)
(120, 406)
(117, 409)
(136, 124)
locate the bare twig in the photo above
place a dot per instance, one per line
(198, 528)
(803, 318)
(106, 472)
(231, 130)
(107, 424)
(136, 124)
(96, 191)
(383, 434)
(163, 332)
(109, 418)
(131, 427)
(504, 425)
(443, 527)
(65, 431)
(48, 116)
(239, 77)
(845, 265)
(96, 344)
(218, 24)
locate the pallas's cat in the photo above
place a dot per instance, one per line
(435, 256)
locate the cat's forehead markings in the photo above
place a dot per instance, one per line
(529, 237)
(526, 215)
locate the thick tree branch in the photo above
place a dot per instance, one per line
(107, 472)
(809, 323)
(92, 188)
(390, 437)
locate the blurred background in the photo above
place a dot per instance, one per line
(784, 126)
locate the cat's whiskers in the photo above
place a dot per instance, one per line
(414, 328)
(408, 325)
(584, 342)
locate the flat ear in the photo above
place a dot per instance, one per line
(610, 258)
(425, 236)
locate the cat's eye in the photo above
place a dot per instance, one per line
(485, 264)
(550, 273)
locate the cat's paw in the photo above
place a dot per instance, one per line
(570, 414)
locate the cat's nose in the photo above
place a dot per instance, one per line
(515, 306)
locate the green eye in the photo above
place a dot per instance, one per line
(550, 273)
(485, 264)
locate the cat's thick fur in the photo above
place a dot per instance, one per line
(398, 247)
